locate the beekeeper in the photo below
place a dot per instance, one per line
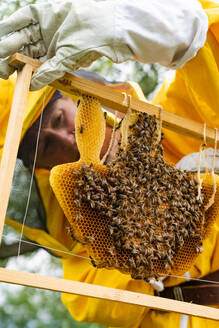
(72, 34)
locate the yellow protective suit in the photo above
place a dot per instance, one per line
(193, 93)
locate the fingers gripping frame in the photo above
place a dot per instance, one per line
(114, 100)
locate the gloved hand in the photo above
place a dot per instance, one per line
(71, 34)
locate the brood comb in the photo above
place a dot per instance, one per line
(138, 214)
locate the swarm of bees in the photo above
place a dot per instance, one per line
(150, 208)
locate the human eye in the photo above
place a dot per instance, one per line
(57, 120)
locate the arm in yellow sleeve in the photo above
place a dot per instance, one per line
(103, 312)
(193, 91)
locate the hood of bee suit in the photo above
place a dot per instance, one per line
(36, 102)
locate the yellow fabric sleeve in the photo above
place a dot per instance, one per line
(40, 237)
(106, 313)
(193, 91)
(113, 314)
(56, 222)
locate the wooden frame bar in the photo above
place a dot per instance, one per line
(113, 100)
(12, 139)
(106, 293)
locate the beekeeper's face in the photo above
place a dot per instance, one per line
(57, 142)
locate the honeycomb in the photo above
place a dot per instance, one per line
(137, 214)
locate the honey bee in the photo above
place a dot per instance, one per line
(89, 239)
(92, 261)
(108, 262)
(132, 263)
(81, 128)
(110, 251)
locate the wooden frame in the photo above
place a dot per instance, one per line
(113, 100)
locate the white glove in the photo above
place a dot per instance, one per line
(72, 34)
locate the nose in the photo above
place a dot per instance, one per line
(59, 136)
